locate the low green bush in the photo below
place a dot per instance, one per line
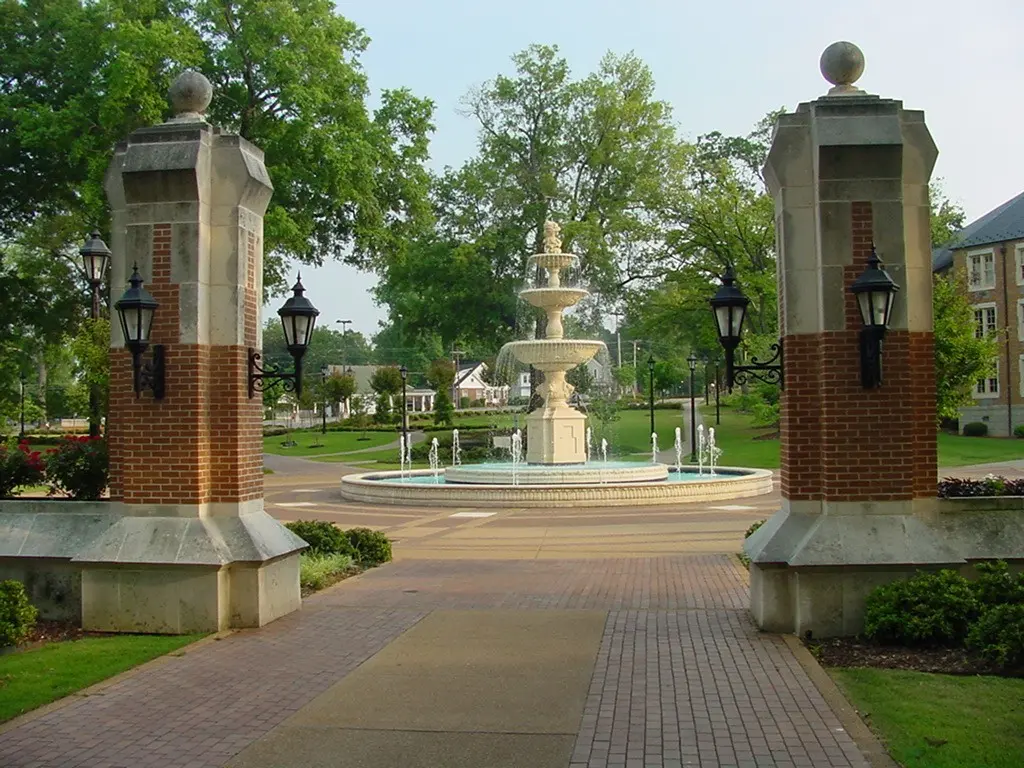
(996, 585)
(79, 467)
(753, 527)
(19, 466)
(927, 610)
(323, 538)
(317, 570)
(999, 635)
(371, 547)
(1018, 431)
(976, 429)
(17, 615)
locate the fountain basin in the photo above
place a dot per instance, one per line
(418, 488)
(500, 473)
(553, 298)
(563, 353)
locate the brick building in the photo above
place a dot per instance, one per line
(990, 253)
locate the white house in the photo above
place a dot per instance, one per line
(469, 382)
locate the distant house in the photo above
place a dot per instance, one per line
(469, 383)
(991, 252)
(418, 399)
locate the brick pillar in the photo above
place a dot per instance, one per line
(187, 470)
(858, 465)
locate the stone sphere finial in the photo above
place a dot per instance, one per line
(190, 95)
(842, 64)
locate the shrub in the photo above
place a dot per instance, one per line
(999, 635)
(19, 466)
(17, 614)
(316, 570)
(958, 488)
(371, 547)
(1018, 431)
(976, 429)
(995, 585)
(79, 467)
(753, 527)
(323, 538)
(464, 402)
(928, 609)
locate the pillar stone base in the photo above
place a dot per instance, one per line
(190, 573)
(556, 436)
(812, 571)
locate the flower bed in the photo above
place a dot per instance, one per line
(77, 468)
(991, 485)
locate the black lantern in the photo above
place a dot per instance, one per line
(875, 292)
(298, 317)
(95, 257)
(135, 309)
(729, 305)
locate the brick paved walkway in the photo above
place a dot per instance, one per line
(682, 677)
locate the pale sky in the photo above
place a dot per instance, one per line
(721, 65)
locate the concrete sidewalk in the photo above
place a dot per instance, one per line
(644, 661)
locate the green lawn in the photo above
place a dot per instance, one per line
(315, 443)
(29, 679)
(735, 436)
(957, 450)
(382, 459)
(941, 721)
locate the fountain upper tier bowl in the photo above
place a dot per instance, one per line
(563, 353)
(553, 298)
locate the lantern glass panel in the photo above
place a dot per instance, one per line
(295, 329)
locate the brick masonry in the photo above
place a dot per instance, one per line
(841, 442)
(682, 676)
(202, 442)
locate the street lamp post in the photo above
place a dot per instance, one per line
(95, 257)
(405, 420)
(650, 381)
(323, 398)
(692, 360)
(707, 383)
(718, 395)
(22, 377)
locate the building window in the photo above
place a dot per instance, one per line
(1020, 264)
(981, 270)
(1020, 376)
(985, 320)
(1020, 320)
(989, 386)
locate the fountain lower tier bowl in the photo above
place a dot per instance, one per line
(563, 353)
(424, 488)
(503, 473)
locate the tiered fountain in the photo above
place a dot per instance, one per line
(556, 471)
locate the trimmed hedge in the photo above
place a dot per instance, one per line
(17, 615)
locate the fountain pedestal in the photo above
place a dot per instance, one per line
(556, 436)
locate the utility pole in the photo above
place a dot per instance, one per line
(344, 342)
(618, 339)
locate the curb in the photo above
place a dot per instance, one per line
(874, 752)
(97, 688)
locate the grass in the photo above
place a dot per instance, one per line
(941, 721)
(736, 437)
(319, 571)
(29, 679)
(315, 443)
(369, 459)
(957, 450)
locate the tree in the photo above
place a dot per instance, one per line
(327, 346)
(441, 376)
(625, 376)
(961, 358)
(386, 382)
(947, 217)
(338, 388)
(581, 379)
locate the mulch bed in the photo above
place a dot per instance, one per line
(852, 652)
(49, 631)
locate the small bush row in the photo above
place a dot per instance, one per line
(78, 467)
(945, 609)
(17, 615)
(365, 546)
(959, 488)
(316, 570)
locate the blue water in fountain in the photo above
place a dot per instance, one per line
(685, 476)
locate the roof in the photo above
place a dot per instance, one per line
(466, 370)
(998, 225)
(361, 373)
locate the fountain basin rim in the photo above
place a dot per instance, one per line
(729, 483)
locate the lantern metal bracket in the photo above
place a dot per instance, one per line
(260, 376)
(149, 374)
(770, 371)
(871, 356)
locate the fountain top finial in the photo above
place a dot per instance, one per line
(190, 94)
(552, 241)
(842, 63)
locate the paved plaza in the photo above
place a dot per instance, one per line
(566, 638)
